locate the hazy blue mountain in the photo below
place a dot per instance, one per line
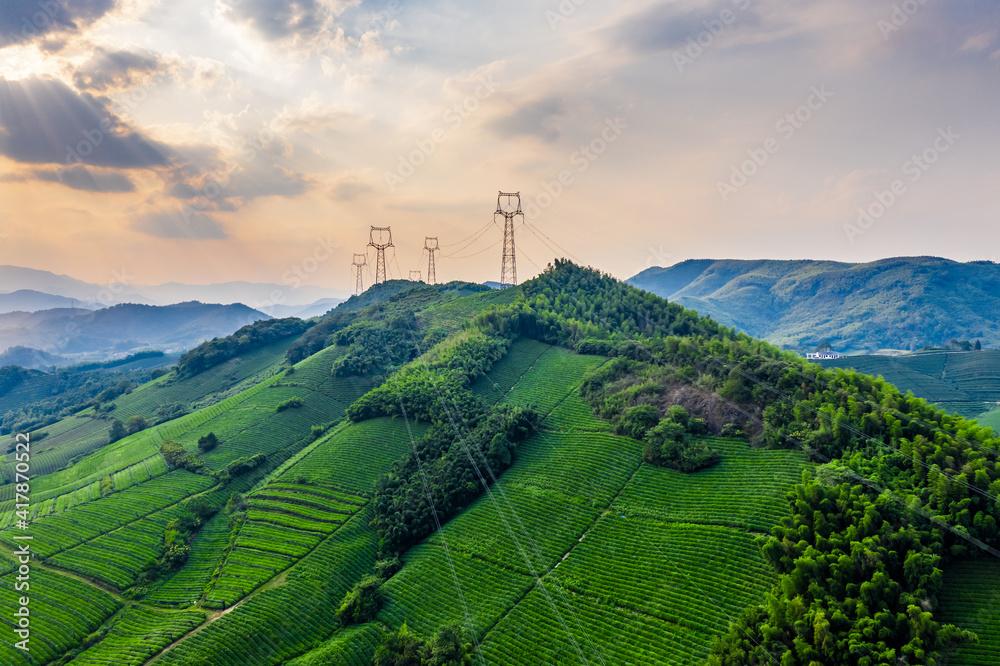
(901, 303)
(86, 334)
(29, 300)
(118, 290)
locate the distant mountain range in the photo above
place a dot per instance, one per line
(30, 290)
(76, 334)
(903, 303)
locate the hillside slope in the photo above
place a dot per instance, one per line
(571, 471)
(902, 303)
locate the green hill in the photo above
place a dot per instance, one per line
(903, 303)
(569, 471)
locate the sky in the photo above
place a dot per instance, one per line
(206, 141)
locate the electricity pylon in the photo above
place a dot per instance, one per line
(508, 265)
(358, 265)
(380, 247)
(431, 245)
(415, 276)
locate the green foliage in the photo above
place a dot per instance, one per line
(207, 442)
(178, 458)
(399, 648)
(169, 412)
(857, 586)
(672, 442)
(376, 347)
(362, 603)
(403, 515)
(637, 420)
(135, 424)
(386, 568)
(241, 465)
(292, 403)
(11, 376)
(404, 648)
(116, 431)
(253, 336)
(447, 370)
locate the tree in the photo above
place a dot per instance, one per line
(208, 442)
(824, 346)
(979, 345)
(399, 648)
(638, 420)
(135, 424)
(447, 649)
(362, 603)
(117, 431)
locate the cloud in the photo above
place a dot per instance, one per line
(979, 42)
(349, 188)
(667, 26)
(81, 178)
(540, 118)
(44, 121)
(23, 21)
(116, 70)
(304, 23)
(181, 223)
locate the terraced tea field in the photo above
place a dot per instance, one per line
(971, 600)
(138, 634)
(79, 435)
(582, 550)
(64, 611)
(352, 459)
(284, 522)
(966, 383)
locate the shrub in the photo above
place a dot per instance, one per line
(291, 403)
(208, 442)
(636, 421)
(362, 603)
(135, 424)
(671, 443)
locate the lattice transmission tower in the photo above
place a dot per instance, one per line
(415, 276)
(432, 246)
(509, 206)
(383, 241)
(360, 261)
